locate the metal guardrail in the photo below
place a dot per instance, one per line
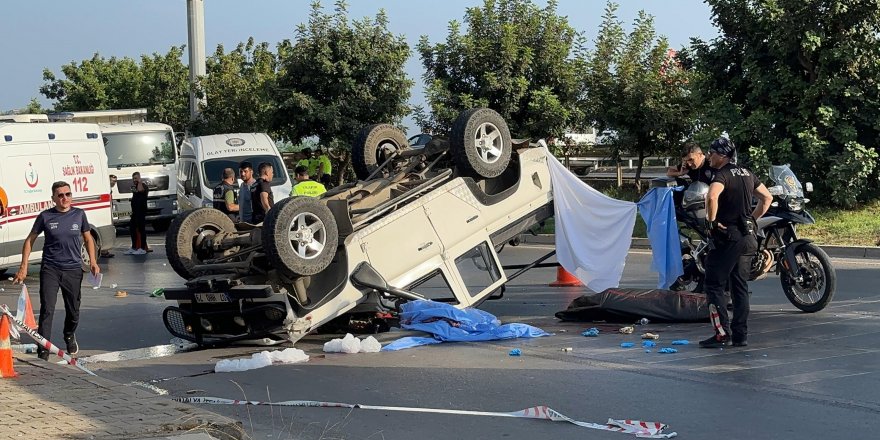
(595, 162)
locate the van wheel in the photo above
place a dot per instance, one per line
(188, 236)
(300, 236)
(372, 147)
(480, 143)
(84, 252)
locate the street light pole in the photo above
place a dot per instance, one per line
(195, 15)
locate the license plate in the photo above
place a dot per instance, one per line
(211, 298)
(151, 204)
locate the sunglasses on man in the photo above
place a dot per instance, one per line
(63, 195)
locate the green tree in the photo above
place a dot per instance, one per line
(339, 76)
(795, 81)
(516, 58)
(159, 83)
(238, 89)
(636, 90)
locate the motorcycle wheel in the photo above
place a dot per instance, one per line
(819, 280)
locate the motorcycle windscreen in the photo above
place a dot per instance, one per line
(783, 176)
(630, 305)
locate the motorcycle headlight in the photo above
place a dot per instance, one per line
(795, 204)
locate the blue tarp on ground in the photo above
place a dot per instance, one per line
(658, 212)
(449, 324)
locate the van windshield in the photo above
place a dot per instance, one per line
(139, 149)
(213, 168)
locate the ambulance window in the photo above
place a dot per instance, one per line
(478, 269)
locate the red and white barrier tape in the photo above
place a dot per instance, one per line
(43, 342)
(716, 320)
(635, 427)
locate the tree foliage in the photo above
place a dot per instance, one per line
(238, 89)
(636, 90)
(339, 76)
(516, 58)
(798, 81)
(159, 83)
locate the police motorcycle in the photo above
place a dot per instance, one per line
(805, 271)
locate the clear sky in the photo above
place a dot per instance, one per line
(48, 34)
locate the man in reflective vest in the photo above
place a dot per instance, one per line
(304, 186)
(226, 195)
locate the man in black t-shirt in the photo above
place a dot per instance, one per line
(261, 197)
(693, 164)
(138, 226)
(66, 230)
(731, 228)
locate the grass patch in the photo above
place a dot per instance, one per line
(839, 227)
(834, 227)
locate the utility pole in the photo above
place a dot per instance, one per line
(195, 19)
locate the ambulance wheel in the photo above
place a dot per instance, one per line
(187, 242)
(480, 143)
(300, 236)
(373, 145)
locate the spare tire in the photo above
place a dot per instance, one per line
(372, 146)
(300, 236)
(480, 143)
(187, 233)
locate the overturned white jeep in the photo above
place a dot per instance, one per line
(419, 224)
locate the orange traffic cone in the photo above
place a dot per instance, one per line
(6, 369)
(565, 279)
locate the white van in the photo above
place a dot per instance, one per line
(132, 144)
(32, 157)
(203, 158)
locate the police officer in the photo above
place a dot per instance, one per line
(731, 228)
(305, 186)
(226, 194)
(693, 164)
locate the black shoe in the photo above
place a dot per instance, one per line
(741, 342)
(715, 341)
(43, 354)
(72, 346)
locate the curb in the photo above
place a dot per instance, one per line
(192, 420)
(642, 243)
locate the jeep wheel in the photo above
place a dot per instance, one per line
(372, 147)
(480, 143)
(300, 236)
(188, 235)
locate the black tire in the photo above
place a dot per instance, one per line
(368, 150)
(307, 254)
(480, 143)
(820, 279)
(187, 231)
(161, 225)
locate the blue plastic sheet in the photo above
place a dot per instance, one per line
(449, 324)
(658, 211)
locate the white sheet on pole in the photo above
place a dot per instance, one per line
(593, 231)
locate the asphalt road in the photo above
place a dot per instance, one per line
(803, 376)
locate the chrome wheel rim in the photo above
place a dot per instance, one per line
(307, 236)
(489, 142)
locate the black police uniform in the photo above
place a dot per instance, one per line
(735, 247)
(220, 198)
(704, 173)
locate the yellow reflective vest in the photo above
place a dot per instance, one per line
(308, 188)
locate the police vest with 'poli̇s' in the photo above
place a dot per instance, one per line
(220, 196)
(308, 188)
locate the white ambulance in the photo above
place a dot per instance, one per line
(203, 158)
(32, 157)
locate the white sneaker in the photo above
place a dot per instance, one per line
(139, 252)
(130, 251)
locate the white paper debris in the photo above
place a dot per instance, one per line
(351, 344)
(261, 359)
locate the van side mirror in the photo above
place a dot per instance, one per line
(188, 187)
